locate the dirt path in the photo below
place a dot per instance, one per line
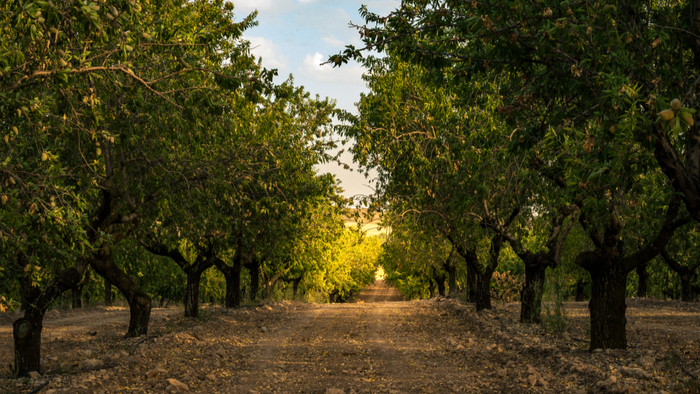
(375, 345)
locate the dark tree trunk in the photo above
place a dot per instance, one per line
(607, 307)
(531, 296)
(295, 284)
(194, 277)
(643, 280)
(139, 303)
(580, 287)
(431, 288)
(254, 268)
(471, 283)
(483, 290)
(687, 274)
(687, 294)
(232, 274)
(26, 331)
(108, 293)
(452, 277)
(76, 294)
(440, 281)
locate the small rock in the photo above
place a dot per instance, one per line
(532, 379)
(471, 342)
(460, 348)
(491, 346)
(155, 371)
(636, 373)
(85, 352)
(34, 374)
(661, 379)
(263, 329)
(334, 391)
(607, 382)
(211, 376)
(51, 391)
(92, 333)
(177, 386)
(599, 350)
(92, 363)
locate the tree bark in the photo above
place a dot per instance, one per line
(26, 331)
(580, 287)
(254, 269)
(440, 281)
(232, 274)
(451, 269)
(531, 296)
(643, 280)
(108, 293)
(471, 283)
(607, 308)
(139, 302)
(192, 292)
(686, 274)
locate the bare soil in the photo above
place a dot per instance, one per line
(378, 344)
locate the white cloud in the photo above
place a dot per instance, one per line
(351, 74)
(269, 51)
(333, 41)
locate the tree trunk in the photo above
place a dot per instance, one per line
(26, 332)
(76, 294)
(194, 277)
(108, 293)
(139, 303)
(232, 274)
(607, 307)
(295, 285)
(580, 287)
(531, 296)
(483, 290)
(452, 277)
(440, 281)
(254, 268)
(431, 288)
(643, 280)
(686, 288)
(471, 284)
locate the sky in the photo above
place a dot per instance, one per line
(295, 36)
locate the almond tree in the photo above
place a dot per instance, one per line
(598, 95)
(97, 98)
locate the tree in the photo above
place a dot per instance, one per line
(573, 96)
(684, 260)
(90, 130)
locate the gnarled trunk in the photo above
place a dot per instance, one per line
(26, 331)
(607, 307)
(643, 280)
(531, 296)
(471, 284)
(687, 293)
(440, 281)
(254, 269)
(194, 277)
(139, 302)
(108, 293)
(580, 287)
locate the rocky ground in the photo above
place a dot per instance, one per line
(375, 345)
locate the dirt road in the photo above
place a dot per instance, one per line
(375, 345)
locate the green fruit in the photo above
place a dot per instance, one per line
(676, 104)
(44, 156)
(667, 114)
(109, 16)
(62, 63)
(3, 199)
(688, 119)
